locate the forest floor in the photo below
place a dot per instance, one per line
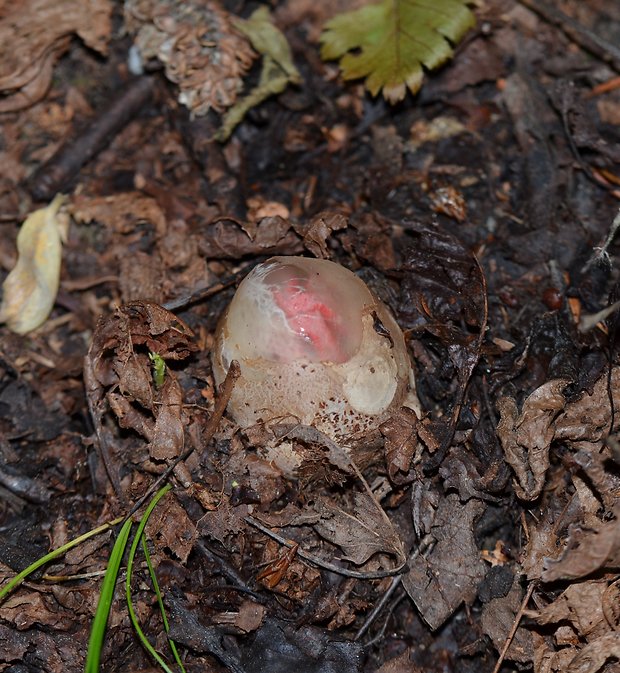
(482, 536)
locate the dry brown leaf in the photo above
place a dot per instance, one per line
(401, 440)
(611, 605)
(580, 605)
(250, 616)
(229, 239)
(316, 232)
(120, 212)
(23, 610)
(168, 435)
(542, 543)
(142, 276)
(33, 35)
(360, 534)
(497, 620)
(224, 522)
(546, 416)
(170, 527)
(548, 660)
(29, 291)
(439, 582)
(196, 42)
(587, 419)
(594, 655)
(119, 378)
(587, 551)
(400, 664)
(527, 436)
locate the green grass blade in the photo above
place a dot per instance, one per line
(18, 579)
(132, 553)
(160, 602)
(100, 621)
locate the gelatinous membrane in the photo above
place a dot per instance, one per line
(292, 309)
(314, 345)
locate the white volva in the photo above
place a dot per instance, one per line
(314, 346)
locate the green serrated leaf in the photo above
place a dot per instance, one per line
(393, 40)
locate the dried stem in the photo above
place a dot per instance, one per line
(320, 563)
(515, 626)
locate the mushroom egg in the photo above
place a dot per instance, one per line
(315, 346)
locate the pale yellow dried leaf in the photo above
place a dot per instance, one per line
(29, 291)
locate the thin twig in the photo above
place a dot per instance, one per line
(600, 254)
(214, 420)
(425, 543)
(228, 572)
(381, 632)
(515, 626)
(590, 320)
(203, 293)
(93, 390)
(326, 565)
(602, 49)
(54, 175)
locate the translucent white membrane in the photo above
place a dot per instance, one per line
(315, 346)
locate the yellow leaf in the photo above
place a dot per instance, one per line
(29, 291)
(278, 69)
(269, 41)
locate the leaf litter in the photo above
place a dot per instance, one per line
(502, 498)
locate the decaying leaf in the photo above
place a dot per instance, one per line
(170, 527)
(226, 239)
(450, 574)
(400, 663)
(225, 522)
(587, 551)
(401, 440)
(526, 437)
(278, 68)
(580, 605)
(34, 34)
(542, 543)
(119, 212)
(316, 232)
(29, 291)
(546, 416)
(195, 41)
(118, 378)
(395, 38)
(360, 534)
(168, 434)
(611, 605)
(497, 621)
(595, 654)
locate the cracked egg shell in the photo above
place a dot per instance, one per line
(315, 346)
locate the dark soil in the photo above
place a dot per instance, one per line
(480, 210)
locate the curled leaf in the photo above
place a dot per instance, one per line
(29, 291)
(278, 69)
(269, 41)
